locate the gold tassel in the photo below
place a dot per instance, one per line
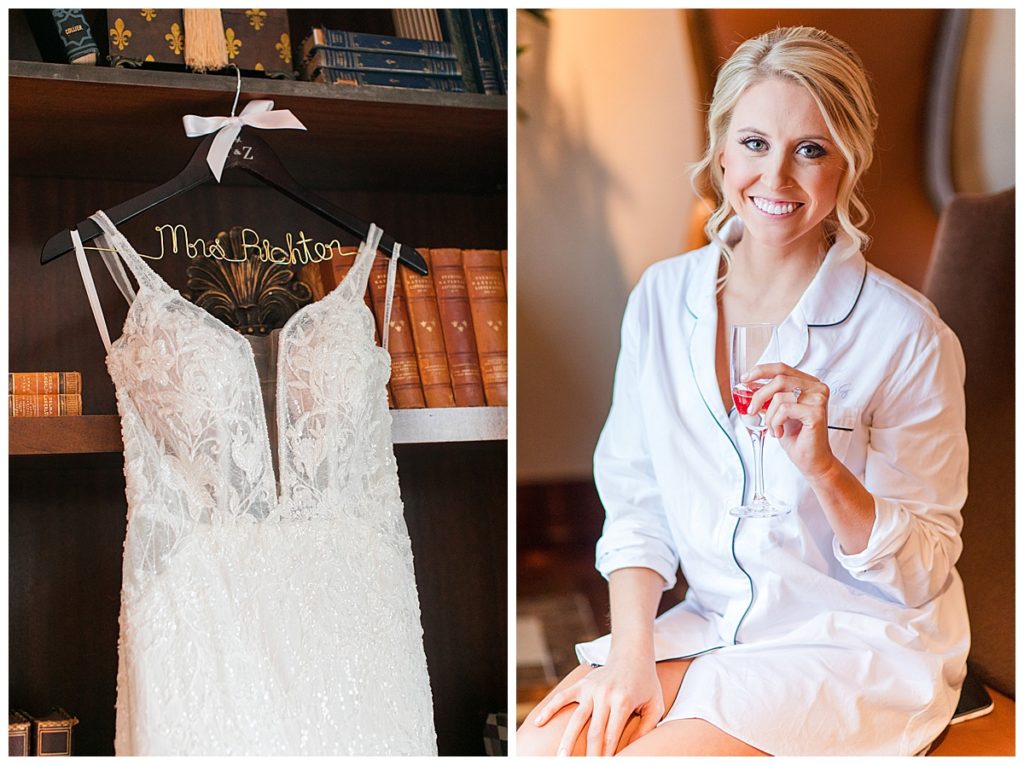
(205, 48)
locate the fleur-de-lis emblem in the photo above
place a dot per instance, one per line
(175, 39)
(495, 325)
(148, 13)
(427, 325)
(284, 49)
(256, 18)
(460, 326)
(397, 325)
(232, 42)
(120, 35)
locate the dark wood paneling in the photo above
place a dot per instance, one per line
(65, 530)
(456, 507)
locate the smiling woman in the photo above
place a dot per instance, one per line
(840, 627)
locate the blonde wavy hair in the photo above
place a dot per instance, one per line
(834, 75)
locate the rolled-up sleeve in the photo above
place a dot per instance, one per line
(636, 532)
(916, 469)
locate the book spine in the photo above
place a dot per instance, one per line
(457, 323)
(420, 23)
(488, 303)
(405, 373)
(357, 77)
(504, 270)
(455, 35)
(44, 382)
(333, 38)
(74, 31)
(428, 336)
(497, 24)
(44, 404)
(485, 64)
(375, 61)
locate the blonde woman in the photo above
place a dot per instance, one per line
(840, 627)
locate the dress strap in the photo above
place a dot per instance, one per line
(115, 267)
(142, 272)
(90, 288)
(389, 292)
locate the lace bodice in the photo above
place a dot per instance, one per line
(199, 471)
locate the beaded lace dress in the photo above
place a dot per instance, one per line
(259, 615)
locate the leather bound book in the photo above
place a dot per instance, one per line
(428, 336)
(19, 734)
(53, 733)
(504, 268)
(457, 322)
(44, 382)
(405, 373)
(44, 404)
(488, 302)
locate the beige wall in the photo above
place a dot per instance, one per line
(611, 120)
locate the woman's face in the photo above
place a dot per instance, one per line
(780, 166)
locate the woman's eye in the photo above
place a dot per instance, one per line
(755, 144)
(811, 151)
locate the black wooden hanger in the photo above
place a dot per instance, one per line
(257, 159)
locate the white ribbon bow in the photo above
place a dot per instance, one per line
(256, 114)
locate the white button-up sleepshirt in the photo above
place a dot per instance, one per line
(800, 648)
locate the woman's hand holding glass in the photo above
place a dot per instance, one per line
(797, 416)
(607, 697)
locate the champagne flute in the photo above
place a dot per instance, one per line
(753, 344)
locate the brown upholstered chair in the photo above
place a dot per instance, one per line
(971, 282)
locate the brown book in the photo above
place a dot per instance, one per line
(44, 404)
(488, 302)
(44, 382)
(504, 268)
(311, 275)
(457, 322)
(53, 733)
(19, 734)
(407, 393)
(428, 335)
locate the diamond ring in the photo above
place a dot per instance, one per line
(796, 394)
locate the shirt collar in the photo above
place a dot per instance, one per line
(828, 299)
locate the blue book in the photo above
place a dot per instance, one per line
(320, 37)
(497, 20)
(377, 61)
(486, 64)
(455, 33)
(450, 84)
(75, 34)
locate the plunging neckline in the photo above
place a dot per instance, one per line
(365, 251)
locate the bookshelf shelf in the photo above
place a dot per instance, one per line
(355, 138)
(101, 433)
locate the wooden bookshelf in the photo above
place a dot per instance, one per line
(101, 433)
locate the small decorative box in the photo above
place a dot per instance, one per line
(257, 40)
(53, 733)
(19, 735)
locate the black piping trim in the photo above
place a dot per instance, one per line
(742, 495)
(863, 281)
(836, 427)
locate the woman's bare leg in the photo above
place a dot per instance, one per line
(531, 740)
(689, 737)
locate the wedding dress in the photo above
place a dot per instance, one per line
(261, 616)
